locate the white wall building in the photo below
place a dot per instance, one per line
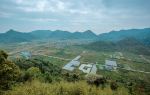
(94, 69)
(77, 58)
(110, 65)
(72, 64)
(88, 68)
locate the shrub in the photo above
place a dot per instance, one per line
(9, 72)
(113, 85)
(96, 80)
(62, 88)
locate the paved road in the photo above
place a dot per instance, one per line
(57, 57)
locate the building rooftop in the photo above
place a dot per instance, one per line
(110, 63)
(77, 58)
(25, 54)
(94, 69)
(86, 68)
(71, 65)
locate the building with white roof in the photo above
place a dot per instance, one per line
(88, 68)
(77, 58)
(72, 64)
(25, 54)
(94, 69)
(110, 65)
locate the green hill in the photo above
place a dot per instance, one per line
(139, 34)
(142, 35)
(13, 36)
(127, 44)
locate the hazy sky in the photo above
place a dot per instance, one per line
(74, 15)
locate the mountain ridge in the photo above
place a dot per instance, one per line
(142, 35)
(121, 34)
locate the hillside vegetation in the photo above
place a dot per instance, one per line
(41, 75)
(139, 34)
(63, 88)
(128, 44)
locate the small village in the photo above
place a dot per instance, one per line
(89, 68)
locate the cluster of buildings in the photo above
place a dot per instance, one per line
(86, 68)
(90, 68)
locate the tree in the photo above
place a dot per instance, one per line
(32, 72)
(113, 85)
(96, 80)
(47, 77)
(75, 77)
(9, 72)
(3, 56)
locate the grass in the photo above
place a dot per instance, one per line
(63, 88)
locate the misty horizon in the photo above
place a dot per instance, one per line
(73, 31)
(99, 16)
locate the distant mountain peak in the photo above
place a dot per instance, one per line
(88, 31)
(12, 31)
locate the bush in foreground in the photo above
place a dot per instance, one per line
(9, 72)
(63, 88)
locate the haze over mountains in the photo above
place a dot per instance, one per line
(12, 36)
(15, 36)
(139, 34)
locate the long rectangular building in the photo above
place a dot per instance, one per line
(72, 64)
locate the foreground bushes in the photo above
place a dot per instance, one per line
(9, 72)
(63, 88)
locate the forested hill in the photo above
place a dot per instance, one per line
(124, 45)
(12, 36)
(142, 35)
(15, 36)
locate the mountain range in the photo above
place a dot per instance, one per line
(11, 36)
(142, 35)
